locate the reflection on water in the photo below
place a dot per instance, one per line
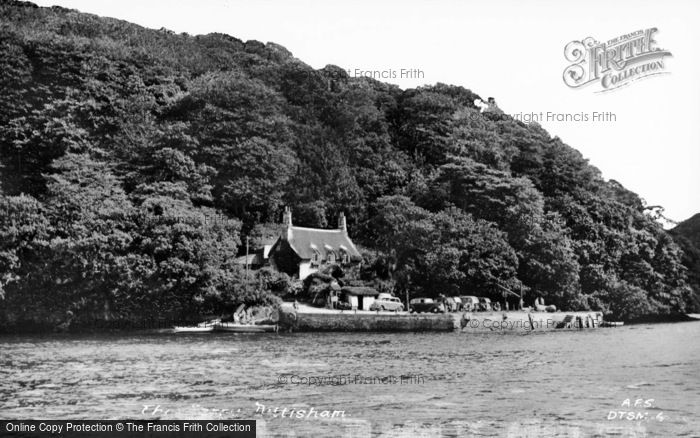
(426, 384)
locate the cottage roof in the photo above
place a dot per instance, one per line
(306, 241)
(359, 291)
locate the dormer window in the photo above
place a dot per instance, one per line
(316, 255)
(330, 254)
(344, 256)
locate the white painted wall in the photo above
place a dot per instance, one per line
(305, 269)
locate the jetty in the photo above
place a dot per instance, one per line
(304, 318)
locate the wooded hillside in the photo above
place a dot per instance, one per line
(118, 142)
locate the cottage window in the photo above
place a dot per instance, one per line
(331, 257)
(344, 256)
(315, 258)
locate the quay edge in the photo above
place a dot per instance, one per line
(348, 321)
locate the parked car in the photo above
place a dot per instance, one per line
(421, 305)
(459, 304)
(485, 304)
(470, 303)
(387, 302)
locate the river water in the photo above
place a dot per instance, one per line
(530, 384)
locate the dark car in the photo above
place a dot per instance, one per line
(426, 305)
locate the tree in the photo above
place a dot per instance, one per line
(549, 266)
(255, 175)
(470, 255)
(24, 230)
(493, 195)
(191, 249)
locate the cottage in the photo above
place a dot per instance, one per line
(302, 251)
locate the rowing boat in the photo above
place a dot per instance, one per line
(202, 327)
(195, 329)
(245, 328)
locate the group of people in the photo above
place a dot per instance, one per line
(541, 307)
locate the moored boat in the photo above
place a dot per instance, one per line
(183, 329)
(203, 327)
(245, 328)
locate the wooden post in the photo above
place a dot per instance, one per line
(521, 303)
(247, 239)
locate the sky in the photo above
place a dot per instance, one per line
(511, 50)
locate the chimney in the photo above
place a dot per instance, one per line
(342, 224)
(287, 217)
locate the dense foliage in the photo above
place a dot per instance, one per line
(687, 235)
(135, 161)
